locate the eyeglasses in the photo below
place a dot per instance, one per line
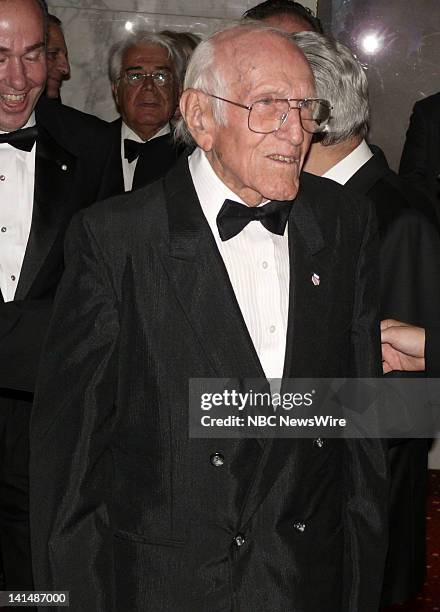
(160, 78)
(268, 115)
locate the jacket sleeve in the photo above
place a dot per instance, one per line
(71, 425)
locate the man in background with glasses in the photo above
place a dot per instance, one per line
(233, 266)
(145, 71)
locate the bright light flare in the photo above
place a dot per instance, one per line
(129, 26)
(371, 43)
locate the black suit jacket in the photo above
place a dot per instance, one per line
(71, 153)
(410, 291)
(151, 165)
(410, 243)
(420, 162)
(135, 516)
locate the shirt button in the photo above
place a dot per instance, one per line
(2, 177)
(3, 229)
(318, 442)
(12, 277)
(217, 459)
(239, 540)
(299, 527)
(265, 265)
(272, 329)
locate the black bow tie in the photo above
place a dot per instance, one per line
(233, 217)
(132, 148)
(21, 139)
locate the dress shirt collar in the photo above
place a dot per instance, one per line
(210, 189)
(344, 170)
(127, 132)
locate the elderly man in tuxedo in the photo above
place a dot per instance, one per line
(51, 161)
(196, 276)
(145, 71)
(409, 274)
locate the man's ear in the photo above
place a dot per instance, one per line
(196, 111)
(115, 93)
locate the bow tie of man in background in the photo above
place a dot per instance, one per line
(23, 139)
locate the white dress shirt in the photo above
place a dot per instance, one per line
(128, 169)
(17, 178)
(343, 171)
(257, 262)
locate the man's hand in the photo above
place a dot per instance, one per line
(403, 346)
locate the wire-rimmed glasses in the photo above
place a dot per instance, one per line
(136, 78)
(269, 114)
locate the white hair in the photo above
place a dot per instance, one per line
(144, 37)
(204, 73)
(340, 79)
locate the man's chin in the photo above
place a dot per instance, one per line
(282, 195)
(9, 122)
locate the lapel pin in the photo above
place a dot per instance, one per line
(315, 279)
(63, 167)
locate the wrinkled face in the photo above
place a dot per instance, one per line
(146, 108)
(22, 61)
(288, 23)
(257, 66)
(58, 67)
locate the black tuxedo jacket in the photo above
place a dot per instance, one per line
(420, 161)
(135, 515)
(151, 165)
(71, 152)
(410, 243)
(410, 291)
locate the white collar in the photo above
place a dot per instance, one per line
(344, 169)
(127, 132)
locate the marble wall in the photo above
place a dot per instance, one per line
(92, 26)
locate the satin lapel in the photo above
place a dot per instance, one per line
(53, 201)
(202, 284)
(305, 244)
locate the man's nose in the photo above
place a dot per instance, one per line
(148, 82)
(292, 128)
(63, 65)
(16, 76)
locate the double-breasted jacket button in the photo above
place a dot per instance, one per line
(299, 526)
(239, 540)
(217, 459)
(318, 442)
